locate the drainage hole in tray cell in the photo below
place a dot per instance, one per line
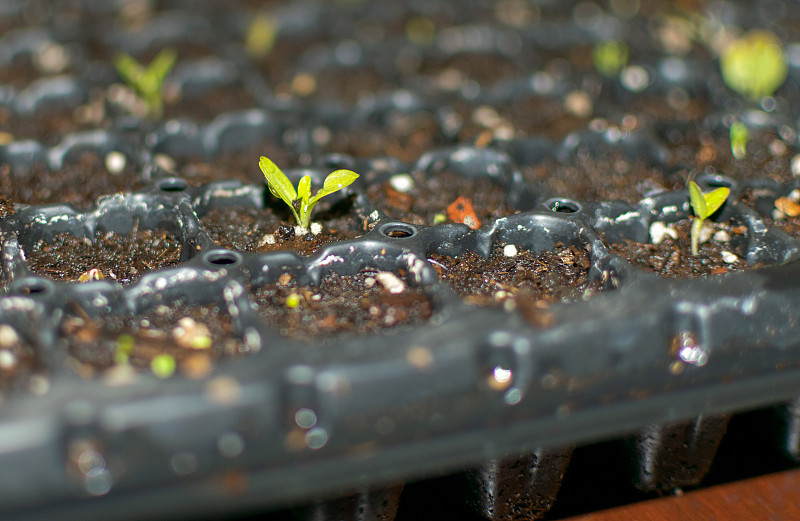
(112, 256)
(517, 279)
(173, 184)
(167, 339)
(563, 206)
(341, 305)
(398, 231)
(222, 259)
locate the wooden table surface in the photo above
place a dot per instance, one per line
(773, 497)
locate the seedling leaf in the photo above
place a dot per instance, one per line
(704, 205)
(715, 199)
(299, 201)
(697, 201)
(334, 182)
(278, 183)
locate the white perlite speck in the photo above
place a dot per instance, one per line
(795, 165)
(729, 257)
(722, 236)
(267, 239)
(509, 250)
(401, 182)
(115, 162)
(8, 336)
(300, 230)
(316, 228)
(660, 231)
(390, 282)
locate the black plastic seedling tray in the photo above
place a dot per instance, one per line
(339, 426)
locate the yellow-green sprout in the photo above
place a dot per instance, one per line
(300, 201)
(148, 82)
(704, 205)
(610, 57)
(739, 138)
(754, 65)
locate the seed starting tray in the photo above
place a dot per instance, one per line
(662, 362)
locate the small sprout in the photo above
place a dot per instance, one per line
(147, 81)
(293, 300)
(300, 201)
(261, 35)
(704, 205)
(754, 65)
(610, 57)
(124, 349)
(439, 218)
(739, 137)
(92, 274)
(163, 366)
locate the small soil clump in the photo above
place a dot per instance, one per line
(342, 305)
(123, 258)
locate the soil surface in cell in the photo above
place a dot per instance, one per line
(342, 305)
(439, 198)
(79, 182)
(525, 280)
(123, 258)
(263, 230)
(673, 257)
(193, 336)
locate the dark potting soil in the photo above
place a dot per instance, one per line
(342, 305)
(402, 135)
(80, 182)
(205, 107)
(673, 257)
(249, 229)
(47, 125)
(241, 165)
(767, 154)
(194, 336)
(427, 201)
(123, 258)
(601, 177)
(526, 281)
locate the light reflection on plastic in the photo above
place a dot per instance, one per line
(693, 355)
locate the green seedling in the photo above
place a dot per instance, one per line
(754, 65)
(739, 138)
(147, 82)
(261, 35)
(610, 57)
(163, 366)
(704, 205)
(300, 201)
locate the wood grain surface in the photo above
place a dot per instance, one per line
(773, 497)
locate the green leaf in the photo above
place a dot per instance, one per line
(715, 199)
(278, 183)
(305, 206)
(128, 69)
(162, 64)
(697, 201)
(333, 183)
